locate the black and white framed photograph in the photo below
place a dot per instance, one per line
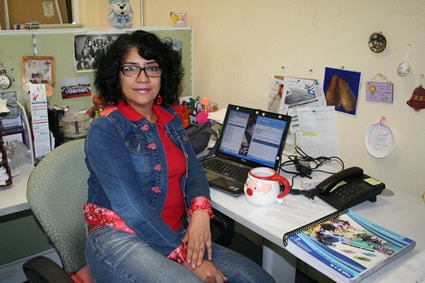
(87, 47)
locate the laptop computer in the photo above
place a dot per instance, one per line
(249, 138)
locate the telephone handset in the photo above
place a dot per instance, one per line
(348, 188)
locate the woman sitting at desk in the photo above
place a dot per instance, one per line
(145, 178)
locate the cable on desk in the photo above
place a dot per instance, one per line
(310, 194)
(316, 162)
(305, 166)
(307, 193)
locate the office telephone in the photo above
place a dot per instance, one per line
(348, 188)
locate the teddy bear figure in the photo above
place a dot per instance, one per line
(120, 13)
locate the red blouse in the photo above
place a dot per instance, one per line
(174, 205)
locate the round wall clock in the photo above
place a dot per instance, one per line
(5, 80)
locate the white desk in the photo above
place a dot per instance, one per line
(401, 212)
(14, 198)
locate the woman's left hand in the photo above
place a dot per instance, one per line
(198, 238)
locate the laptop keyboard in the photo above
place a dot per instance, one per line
(227, 168)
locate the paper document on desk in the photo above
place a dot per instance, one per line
(218, 115)
(281, 217)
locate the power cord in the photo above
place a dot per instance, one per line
(310, 193)
(305, 165)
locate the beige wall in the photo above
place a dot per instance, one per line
(240, 44)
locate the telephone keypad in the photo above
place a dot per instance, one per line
(347, 191)
(347, 194)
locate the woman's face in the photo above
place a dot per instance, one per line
(140, 90)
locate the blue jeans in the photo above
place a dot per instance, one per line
(116, 256)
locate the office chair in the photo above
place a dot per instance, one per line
(56, 192)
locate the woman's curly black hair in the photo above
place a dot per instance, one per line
(150, 47)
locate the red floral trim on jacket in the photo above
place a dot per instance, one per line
(101, 216)
(179, 254)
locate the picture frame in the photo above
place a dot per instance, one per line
(38, 70)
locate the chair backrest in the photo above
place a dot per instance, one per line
(56, 192)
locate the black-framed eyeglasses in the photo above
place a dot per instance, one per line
(134, 71)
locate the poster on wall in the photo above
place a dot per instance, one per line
(342, 89)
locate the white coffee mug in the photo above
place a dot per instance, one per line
(263, 186)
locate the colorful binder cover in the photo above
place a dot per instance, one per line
(345, 246)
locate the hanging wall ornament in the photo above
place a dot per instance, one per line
(404, 67)
(377, 42)
(379, 89)
(417, 101)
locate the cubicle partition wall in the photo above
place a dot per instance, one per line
(21, 236)
(66, 48)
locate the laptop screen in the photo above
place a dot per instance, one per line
(253, 136)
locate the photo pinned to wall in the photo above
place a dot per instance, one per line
(38, 70)
(276, 95)
(287, 94)
(48, 9)
(342, 89)
(87, 47)
(75, 87)
(303, 91)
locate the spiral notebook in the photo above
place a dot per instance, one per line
(345, 246)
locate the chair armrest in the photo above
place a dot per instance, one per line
(42, 269)
(226, 225)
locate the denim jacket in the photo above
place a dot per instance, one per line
(128, 173)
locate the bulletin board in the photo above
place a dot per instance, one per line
(59, 44)
(41, 11)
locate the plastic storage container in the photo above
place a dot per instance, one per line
(75, 125)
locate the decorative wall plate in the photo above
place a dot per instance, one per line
(377, 42)
(379, 140)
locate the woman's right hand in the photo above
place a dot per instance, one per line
(208, 272)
